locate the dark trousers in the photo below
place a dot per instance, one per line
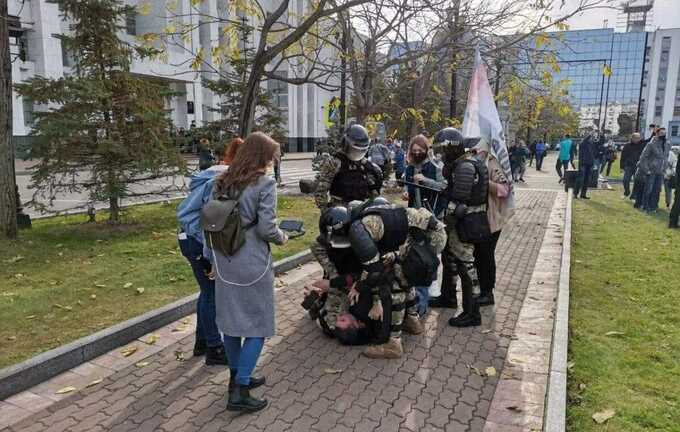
(539, 161)
(584, 173)
(652, 192)
(449, 276)
(277, 171)
(628, 173)
(561, 167)
(206, 328)
(485, 262)
(608, 165)
(675, 210)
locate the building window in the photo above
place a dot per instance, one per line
(676, 111)
(27, 105)
(658, 111)
(131, 21)
(278, 90)
(674, 130)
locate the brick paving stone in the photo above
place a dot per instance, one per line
(433, 387)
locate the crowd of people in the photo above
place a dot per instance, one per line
(380, 259)
(650, 164)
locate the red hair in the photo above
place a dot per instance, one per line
(230, 154)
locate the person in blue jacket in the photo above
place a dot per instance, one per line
(190, 237)
(399, 161)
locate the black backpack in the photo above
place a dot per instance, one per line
(420, 262)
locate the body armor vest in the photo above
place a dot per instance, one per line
(468, 182)
(395, 227)
(345, 261)
(355, 180)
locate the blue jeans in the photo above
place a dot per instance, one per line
(423, 299)
(206, 328)
(652, 192)
(243, 355)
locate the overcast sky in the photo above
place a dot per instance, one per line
(666, 15)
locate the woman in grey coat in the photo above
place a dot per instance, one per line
(244, 282)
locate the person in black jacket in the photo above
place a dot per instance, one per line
(588, 152)
(675, 211)
(630, 155)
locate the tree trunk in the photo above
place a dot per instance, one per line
(8, 190)
(249, 104)
(114, 209)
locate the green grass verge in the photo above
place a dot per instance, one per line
(624, 278)
(65, 278)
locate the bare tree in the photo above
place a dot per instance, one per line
(8, 198)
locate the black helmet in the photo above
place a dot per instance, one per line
(449, 143)
(356, 207)
(333, 225)
(355, 142)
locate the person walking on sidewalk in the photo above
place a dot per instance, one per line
(277, 168)
(587, 153)
(540, 151)
(244, 281)
(208, 339)
(651, 168)
(566, 156)
(630, 155)
(532, 152)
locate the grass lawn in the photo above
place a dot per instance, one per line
(624, 279)
(65, 279)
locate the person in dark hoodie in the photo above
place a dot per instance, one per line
(190, 237)
(587, 152)
(630, 155)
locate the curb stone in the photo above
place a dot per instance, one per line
(556, 399)
(42, 367)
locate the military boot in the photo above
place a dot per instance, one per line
(412, 325)
(392, 349)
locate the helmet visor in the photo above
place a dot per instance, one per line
(355, 152)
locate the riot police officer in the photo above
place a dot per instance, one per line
(347, 175)
(466, 220)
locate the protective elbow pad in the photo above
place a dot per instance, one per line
(362, 243)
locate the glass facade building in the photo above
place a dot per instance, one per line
(582, 55)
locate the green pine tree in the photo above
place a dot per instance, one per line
(105, 129)
(231, 88)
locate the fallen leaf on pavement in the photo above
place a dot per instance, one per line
(152, 339)
(514, 408)
(490, 371)
(95, 382)
(127, 352)
(485, 331)
(127, 285)
(65, 390)
(186, 321)
(603, 416)
(179, 356)
(142, 364)
(332, 371)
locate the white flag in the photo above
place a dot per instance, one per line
(482, 119)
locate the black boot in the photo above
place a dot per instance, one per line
(200, 347)
(447, 298)
(215, 356)
(240, 400)
(486, 299)
(255, 381)
(466, 320)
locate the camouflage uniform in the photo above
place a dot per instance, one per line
(329, 167)
(336, 300)
(402, 292)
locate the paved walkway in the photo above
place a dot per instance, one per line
(444, 382)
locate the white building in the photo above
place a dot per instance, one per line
(661, 82)
(36, 46)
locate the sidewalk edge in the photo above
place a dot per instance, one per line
(42, 367)
(556, 397)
